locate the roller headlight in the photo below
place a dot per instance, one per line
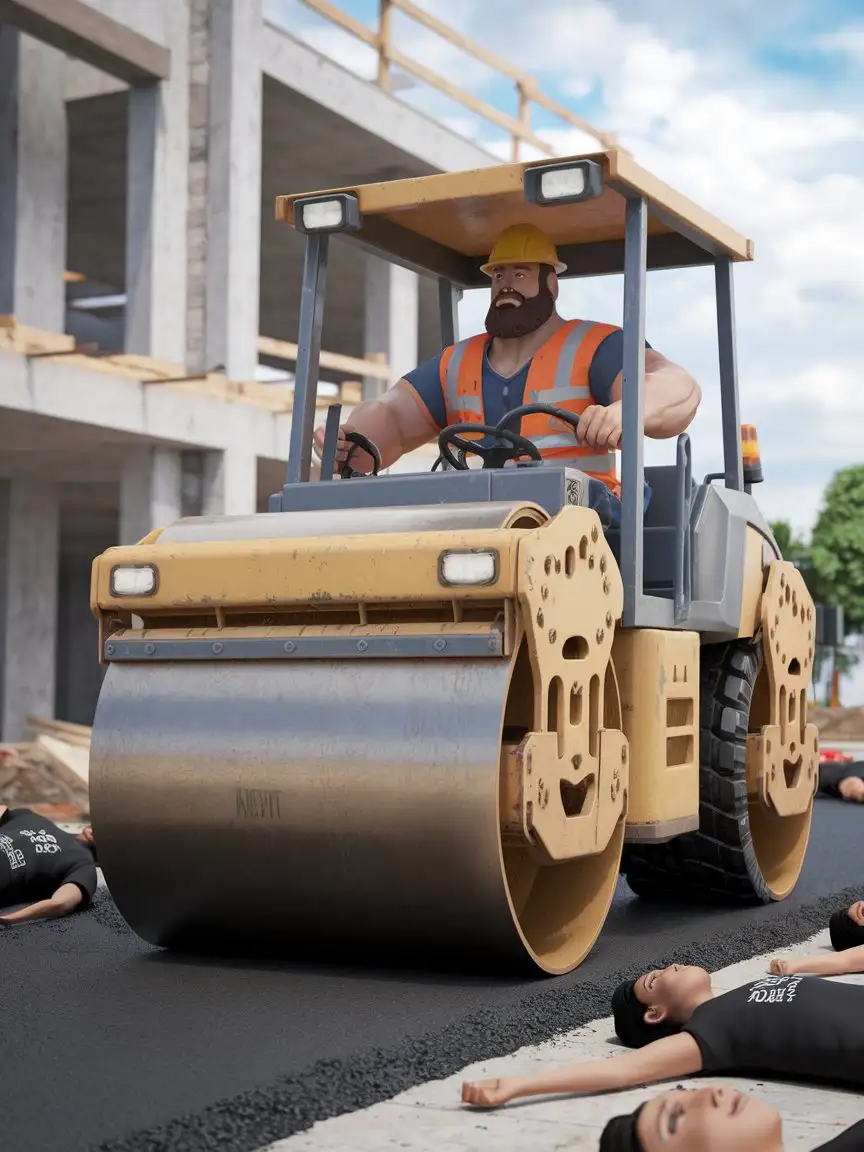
(133, 580)
(567, 183)
(338, 213)
(472, 567)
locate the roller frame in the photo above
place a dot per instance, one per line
(450, 824)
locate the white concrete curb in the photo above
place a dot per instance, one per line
(432, 1117)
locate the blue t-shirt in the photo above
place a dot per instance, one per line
(502, 394)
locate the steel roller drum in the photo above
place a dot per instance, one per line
(328, 806)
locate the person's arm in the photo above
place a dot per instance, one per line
(677, 1055)
(852, 788)
(831, 773)
(65, 900)
(397, 422)
(672, 398)
(845, 963)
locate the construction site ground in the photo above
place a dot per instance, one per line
(108, 1043)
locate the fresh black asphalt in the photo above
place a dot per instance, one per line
(109, 1044)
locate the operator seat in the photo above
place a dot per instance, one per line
(660, 531)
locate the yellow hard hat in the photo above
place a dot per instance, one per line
(523, 244)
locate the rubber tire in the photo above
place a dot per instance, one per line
(717, 863)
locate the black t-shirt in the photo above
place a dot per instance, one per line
(798, 1026)
(852, 1140)
(36, 857)
(831, 772)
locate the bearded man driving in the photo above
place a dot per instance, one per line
(529, 355)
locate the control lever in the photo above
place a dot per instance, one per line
(331, 437)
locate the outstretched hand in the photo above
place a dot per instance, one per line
(487, 1093)
(781, 967)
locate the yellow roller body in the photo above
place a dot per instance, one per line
(443, 806)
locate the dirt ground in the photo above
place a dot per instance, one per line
(845, 724)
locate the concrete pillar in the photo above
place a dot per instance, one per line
(230, 483)
(196, 215)
(151, 487)
(233, 192)
(156, 201)
(29, 546)
(33, 179)
(392, 311)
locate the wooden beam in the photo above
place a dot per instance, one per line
(283, 350)
(467, 100)
(498, 63)
(347, 23)
(81, 31)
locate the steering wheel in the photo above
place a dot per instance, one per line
(361, 441)
(493, 456)
(538, 409)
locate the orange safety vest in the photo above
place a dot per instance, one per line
(558, 375)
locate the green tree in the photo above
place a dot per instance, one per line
(837, 546)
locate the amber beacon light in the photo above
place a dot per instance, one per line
(751, 456)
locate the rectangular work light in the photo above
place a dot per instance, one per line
(569, 182)
(133, 580)
(337, 213)
(472, 566)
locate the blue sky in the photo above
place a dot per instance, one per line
(754, 111)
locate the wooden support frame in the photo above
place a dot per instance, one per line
(527, 88)
(40, 344)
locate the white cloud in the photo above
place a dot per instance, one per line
(847, 42)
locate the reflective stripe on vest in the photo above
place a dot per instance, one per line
(558, 376)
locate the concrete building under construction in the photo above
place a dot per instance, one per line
(148, 298)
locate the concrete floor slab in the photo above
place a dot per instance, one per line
(432, 1117)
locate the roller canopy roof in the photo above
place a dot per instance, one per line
(445, 225)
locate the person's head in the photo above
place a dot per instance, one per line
(700, 1120)
(847, 927)
(85, 836)
(658, 1003)
(523, 267)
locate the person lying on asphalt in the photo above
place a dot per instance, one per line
(51, 871)
(847, 936)
(792, 1026)
(842, 779)
(709, 1120)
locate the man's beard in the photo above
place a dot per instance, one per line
(511, 321)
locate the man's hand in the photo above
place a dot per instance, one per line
(852, 788)
(343, 446)
(600, 427)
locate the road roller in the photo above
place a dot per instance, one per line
(437, 716)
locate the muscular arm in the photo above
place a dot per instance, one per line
(672, 396)
(672, 1056)
(397, 423)
(65, 900)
